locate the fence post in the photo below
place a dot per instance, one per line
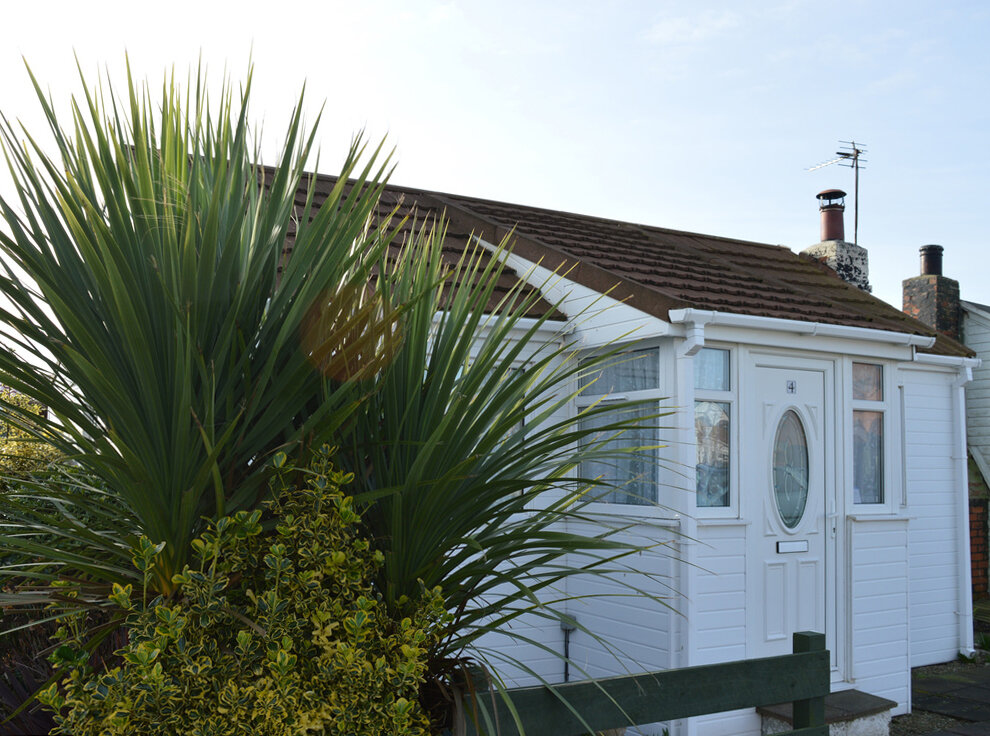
(809, 712)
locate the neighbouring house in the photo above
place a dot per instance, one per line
(934, 299)
(815, 474)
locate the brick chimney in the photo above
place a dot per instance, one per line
(933, 298)
(848, 260)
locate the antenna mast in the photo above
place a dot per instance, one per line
(851, 155)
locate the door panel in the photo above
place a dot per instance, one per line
(783, 493)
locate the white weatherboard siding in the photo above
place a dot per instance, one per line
(720, 592)
(878, 551)
(932, 503)
(720, 613)
(635, 629)
(976, 330)
(502, 652)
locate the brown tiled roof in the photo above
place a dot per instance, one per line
(655, 269)
(414, 210)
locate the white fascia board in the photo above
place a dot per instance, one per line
(797, 327)
(595, 319)
(770, 340)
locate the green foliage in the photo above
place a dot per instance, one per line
(150, 307)
(22, 451)
(271, 633)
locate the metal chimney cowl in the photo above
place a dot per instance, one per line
(851, 262)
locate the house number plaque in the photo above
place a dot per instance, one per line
(791, 387)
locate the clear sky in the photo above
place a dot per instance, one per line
(699, 116)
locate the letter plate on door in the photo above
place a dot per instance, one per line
(797, 545)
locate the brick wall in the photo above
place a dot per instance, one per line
(978, 546)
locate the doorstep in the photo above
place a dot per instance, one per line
(847, 713)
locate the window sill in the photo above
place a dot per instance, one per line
(722, 521)
(655, 514)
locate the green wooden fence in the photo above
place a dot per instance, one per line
(573, 709)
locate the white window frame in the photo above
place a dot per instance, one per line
(885, 407)
(730, 397)
(582, 401)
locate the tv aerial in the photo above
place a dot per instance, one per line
(851, 155)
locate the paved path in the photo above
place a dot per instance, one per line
(963, 694)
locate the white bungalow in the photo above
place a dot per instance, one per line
(820, 467)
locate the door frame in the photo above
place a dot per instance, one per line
(833, 505)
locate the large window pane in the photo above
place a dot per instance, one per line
(711, 369)
(711, 428)
(868, 456)
(867, 382)
(634, 474)
(637, 370)
(790, 469)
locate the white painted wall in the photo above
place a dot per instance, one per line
(932, 505)
(878, 550)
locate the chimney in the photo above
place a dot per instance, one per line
(933, 298)
(848, 260)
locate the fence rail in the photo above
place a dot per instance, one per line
(573, 709)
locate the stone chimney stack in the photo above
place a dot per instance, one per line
(848, 260)
(933, 298)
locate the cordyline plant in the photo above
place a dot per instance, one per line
(151, 307)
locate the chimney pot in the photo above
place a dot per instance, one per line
(931, 260)
(832, 205)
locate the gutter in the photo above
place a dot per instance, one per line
(774, 324)
(950, 361)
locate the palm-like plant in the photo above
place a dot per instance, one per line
(149, 306)
(467, 458)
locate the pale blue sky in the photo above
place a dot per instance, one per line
(700, 116)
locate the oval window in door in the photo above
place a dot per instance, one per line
(790, 469)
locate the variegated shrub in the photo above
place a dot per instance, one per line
(275, 630)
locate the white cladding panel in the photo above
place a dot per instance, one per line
(880, 608)
(720, 614)
(932, 506)
(720, 594)
(502, 652)
(976, 330)
(634, 630)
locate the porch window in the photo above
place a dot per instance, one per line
(868, 431)
(632, 477)
(712, 426)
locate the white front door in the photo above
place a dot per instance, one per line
(789, 499)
